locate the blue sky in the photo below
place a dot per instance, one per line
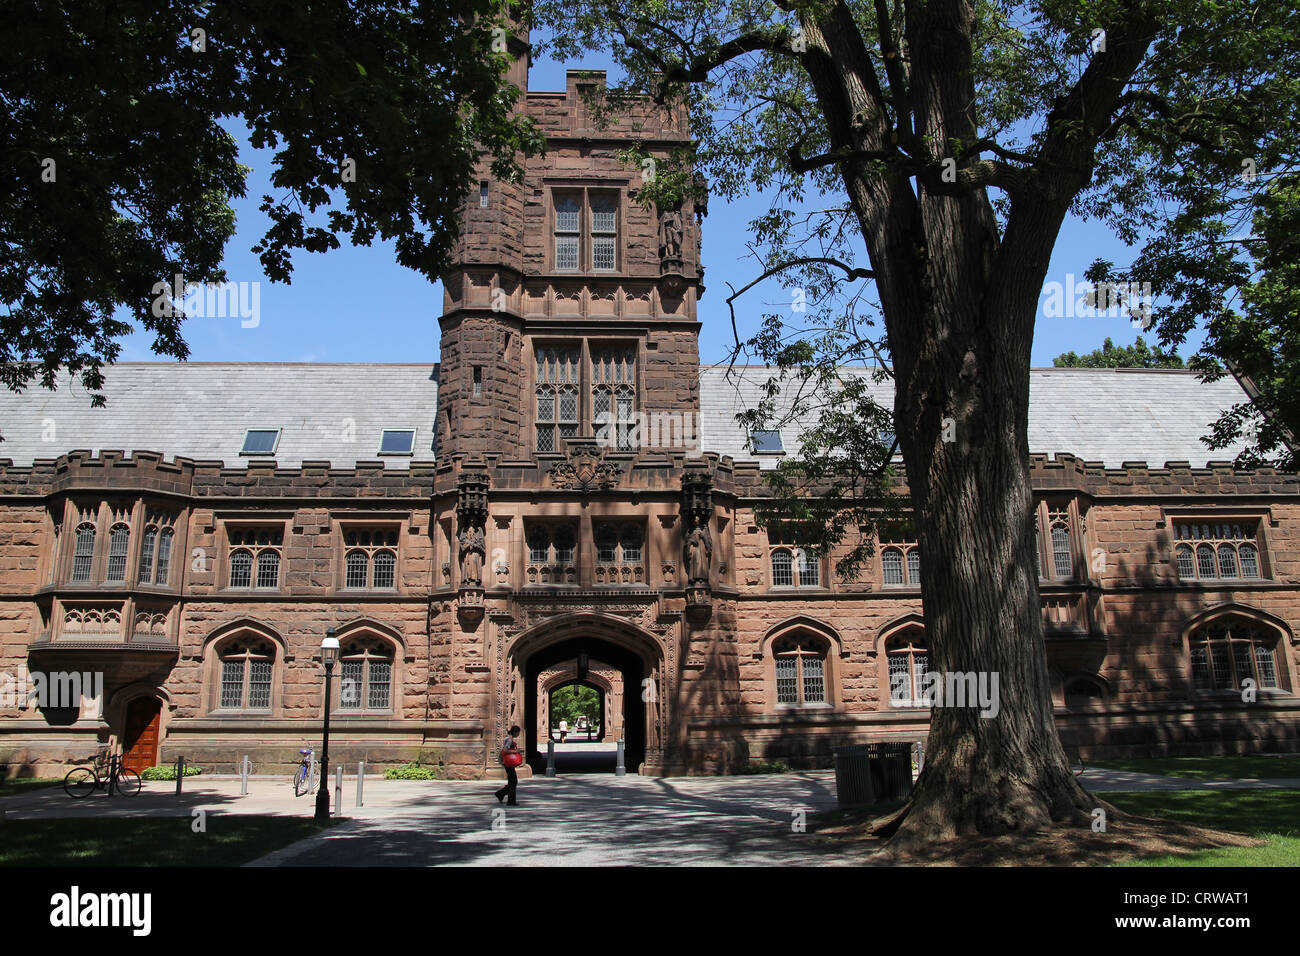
(355, 304)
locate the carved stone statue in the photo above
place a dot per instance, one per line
(699, 555)
(473, 549)
(670, 235)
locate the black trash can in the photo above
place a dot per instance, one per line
(894, 761)
(853, 783)
(872, 773)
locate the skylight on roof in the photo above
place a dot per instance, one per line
(767, 442)
(260, 441)
(397, 441)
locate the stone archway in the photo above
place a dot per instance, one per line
(607, 680)
(638, 657)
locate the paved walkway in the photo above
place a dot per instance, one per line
(576, 819)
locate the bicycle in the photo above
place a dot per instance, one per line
(81, 782)
(302, 778)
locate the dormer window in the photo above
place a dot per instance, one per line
(766, 442)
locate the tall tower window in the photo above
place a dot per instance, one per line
(483, 195)
(586, 230)
(613, 395)
(604, 215)
(558, 379)
(568, 215)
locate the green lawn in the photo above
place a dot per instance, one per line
(1210, 768)
(1272, 815)
(17, 785)
(138, 841)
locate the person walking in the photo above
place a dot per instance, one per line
(508, 747)
(564, 730)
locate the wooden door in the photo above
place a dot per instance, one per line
(140, 742)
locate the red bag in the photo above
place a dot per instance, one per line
(512, 758)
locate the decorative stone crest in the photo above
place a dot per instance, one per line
(586, 470)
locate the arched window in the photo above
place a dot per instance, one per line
(385, 569)
(1062, 564)
(800, 669)
(908, 663)
(358, 569)
(85, 552)
(891, 566)
(155, 549)
(914, 567)
(255, 556)
(247, 670)
(163, 569)
(808, 568)
(371, 561)
(268, 569)
(119, 543)
(1226, 653)
(1222, 550)
(782, 569)
(241, 568)
(366, 678)
(148, 542)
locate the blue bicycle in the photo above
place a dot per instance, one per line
(302, 777)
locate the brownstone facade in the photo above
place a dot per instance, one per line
(463, 590)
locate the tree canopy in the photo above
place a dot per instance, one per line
(1110, 355)
(121, 168)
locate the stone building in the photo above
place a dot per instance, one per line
(477, 533)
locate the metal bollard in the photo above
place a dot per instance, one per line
(550, 757)
(243, 776)
(180, 774)
(620, 769)
(338, 790)
(361, 779)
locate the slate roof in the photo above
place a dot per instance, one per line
(336, 413)
(1106, 415)
(200, 410)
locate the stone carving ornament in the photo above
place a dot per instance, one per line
(473, 551)
(699, 555)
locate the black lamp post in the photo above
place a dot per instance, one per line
(329, 653)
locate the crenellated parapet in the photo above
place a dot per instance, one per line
(1065, 473)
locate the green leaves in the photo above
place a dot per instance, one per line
(377, 112)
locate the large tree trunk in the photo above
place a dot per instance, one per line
(985, 772)
(959, 303)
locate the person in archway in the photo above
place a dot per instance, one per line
(564, 730)
(510, 745)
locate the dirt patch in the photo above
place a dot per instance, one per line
(1127, 837)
